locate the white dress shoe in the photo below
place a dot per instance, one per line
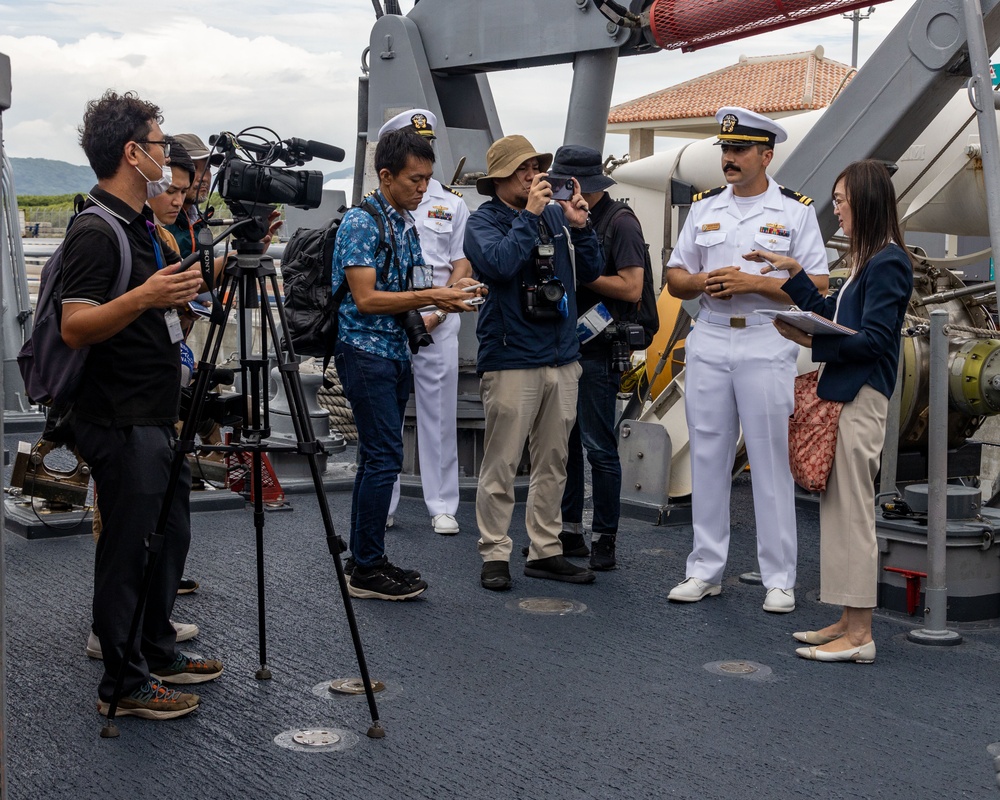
(185, 631)
(863, 654)
(691, 590)
(812, 637)
(779, 601)
(445, 524)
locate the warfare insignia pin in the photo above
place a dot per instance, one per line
(710, 226)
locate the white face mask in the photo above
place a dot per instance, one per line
(157, 187)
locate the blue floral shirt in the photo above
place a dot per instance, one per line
(357, 246)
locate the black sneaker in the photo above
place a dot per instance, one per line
(602, 553)
(153, 700)
(557, 568)
(187, 586)
(188, 670)
(495, 576)
(574, 545)
(410, 575)
(349, 565)
(384, 582)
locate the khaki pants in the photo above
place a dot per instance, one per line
(848, 550)
(538, 405)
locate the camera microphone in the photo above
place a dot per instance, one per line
(313, 149)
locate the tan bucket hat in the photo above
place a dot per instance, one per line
(505, 156)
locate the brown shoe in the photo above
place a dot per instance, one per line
(153, 700)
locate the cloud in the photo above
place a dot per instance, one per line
(295, 68)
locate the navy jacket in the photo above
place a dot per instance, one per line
(873, 304)
(500, 242)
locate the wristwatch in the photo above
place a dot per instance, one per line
(441, 315)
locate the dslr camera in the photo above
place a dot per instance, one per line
(412, 323)
(624, 337)
(544, 300)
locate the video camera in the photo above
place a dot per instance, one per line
(250, 183)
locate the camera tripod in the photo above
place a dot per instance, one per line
(249, 276)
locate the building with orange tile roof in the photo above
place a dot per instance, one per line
(778, 86)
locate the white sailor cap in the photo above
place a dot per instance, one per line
(741, 126)
(419, 120)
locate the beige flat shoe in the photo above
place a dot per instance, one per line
(812, 637)
(864, 654)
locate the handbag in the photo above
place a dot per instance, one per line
(812, 434)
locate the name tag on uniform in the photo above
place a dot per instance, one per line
(173, 325)
(710, 226)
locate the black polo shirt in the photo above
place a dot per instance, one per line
(627, 249)
(134, 377)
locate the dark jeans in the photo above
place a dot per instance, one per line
(377, 389)
(131, 468)
(595, 430)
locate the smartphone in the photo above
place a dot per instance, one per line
(562, 189)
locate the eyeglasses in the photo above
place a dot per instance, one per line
(164, 143)
(839, 201)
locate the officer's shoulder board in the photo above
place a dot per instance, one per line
(806, 201)
(708, 193)
(449, 189)
(370, 194)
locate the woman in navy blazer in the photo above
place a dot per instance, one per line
(859, 370)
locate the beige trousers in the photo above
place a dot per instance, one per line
(537, 405)
(848, 574)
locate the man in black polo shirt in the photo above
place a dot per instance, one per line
(127, 402)
(618, 289)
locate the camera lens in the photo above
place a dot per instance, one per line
(553, 291)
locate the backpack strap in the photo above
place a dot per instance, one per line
(125, 266)
(367, 205)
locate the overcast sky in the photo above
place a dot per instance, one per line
(294, 66)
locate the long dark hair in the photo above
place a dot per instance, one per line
(874, 220)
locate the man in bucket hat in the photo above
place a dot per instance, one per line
(531, 254)
(618, 291)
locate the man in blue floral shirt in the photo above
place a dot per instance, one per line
(384, 271)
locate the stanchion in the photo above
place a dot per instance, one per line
(935, 630)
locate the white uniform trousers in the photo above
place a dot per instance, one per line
(435, 381)
(737, 376)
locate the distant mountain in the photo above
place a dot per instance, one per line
(346, 172)
(43, 176)
(46, 177)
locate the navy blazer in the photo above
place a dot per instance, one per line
(874, 304)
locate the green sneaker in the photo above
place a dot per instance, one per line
(188, 670)
(152, 700)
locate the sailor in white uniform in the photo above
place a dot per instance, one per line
(440, 219)
(738, 371)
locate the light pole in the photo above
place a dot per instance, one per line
(856, 16)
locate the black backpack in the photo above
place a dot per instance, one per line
(644, 313)
(311, 303)
(51, 369)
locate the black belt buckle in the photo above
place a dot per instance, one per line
(737, 322)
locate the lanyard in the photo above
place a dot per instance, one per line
(151, 227)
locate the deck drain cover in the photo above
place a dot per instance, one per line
(740, 669)
(316, 740)
(548, 605)
(737, 667)
(354, 686)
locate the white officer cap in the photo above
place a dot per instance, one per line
(741, 126)
(419, 120)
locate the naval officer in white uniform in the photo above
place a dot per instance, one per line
(440, 219)
(738, 369)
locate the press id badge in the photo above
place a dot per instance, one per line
(173, 321)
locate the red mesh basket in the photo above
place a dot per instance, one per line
(690, 24)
